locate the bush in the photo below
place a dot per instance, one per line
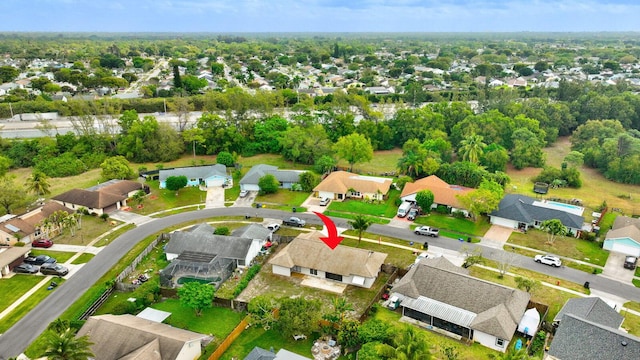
(255, 269)
(459, 214)
(441, 209)
(19, 244)
(223, 230)
(538, 342)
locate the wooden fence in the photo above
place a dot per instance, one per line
(244, 324)
(378, 296)
(96, 304)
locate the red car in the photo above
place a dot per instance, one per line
(42, 243)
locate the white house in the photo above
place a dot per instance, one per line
(308, 255)
(340, 185)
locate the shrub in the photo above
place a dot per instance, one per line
(19, 244)
(538, 342)
(223, 230)
(459, 214)
(255, 269)
(441, 209)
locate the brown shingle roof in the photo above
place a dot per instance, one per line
(340, 182)
(128, 337)
(443, 193)
(89, 199)
(121, 187)
(307, 250)
(35, 217)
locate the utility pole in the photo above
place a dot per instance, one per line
(11, 109)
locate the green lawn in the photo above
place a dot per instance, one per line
(83, 258)
(572, 264)
(587, 251)
(454, 225)
(351, 216)
(257, 336)
(386, 209)
(26, 306)
(216, 320)
(107, 239)
(283, 199)
(60, 256)
(92, 227)
(14, 287)
(163, 199)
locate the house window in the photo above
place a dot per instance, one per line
(313, 271)
(499, 342)
(335, 277)
(356, 194)
(37, 232)
(296, 269)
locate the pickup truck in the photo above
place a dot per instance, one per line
(427, 231)
(294, 221)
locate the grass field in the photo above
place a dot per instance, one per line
(588, 251)
(92, 227)
(13, 287)
(257, 336)
(595, 187)
(385, 209)
(216, 320)
(83, 258)
(455, 225)
(26, 306)
(60, 256)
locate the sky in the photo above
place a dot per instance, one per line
(319, 15)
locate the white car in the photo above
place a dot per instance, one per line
(273, 227)
(325, 201)
(550, 260)
(244, 193)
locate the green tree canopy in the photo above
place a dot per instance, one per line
(298, 316)
(66, 346)
(175, 183)
(116, 167)
(553, 228)
(424, 199)
(360, 223)
(354, 148)
(268, 184)
(197, 296)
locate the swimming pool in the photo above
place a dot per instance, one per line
(568, 206)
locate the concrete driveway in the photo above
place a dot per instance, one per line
(246, 201)
(615, 270)
(215, 197)
(312, 204)
(129, 217)
(496, 236)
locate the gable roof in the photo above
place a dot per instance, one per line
(580, 339)
(201, 240)
(130, 337)
(443, 193)
(259, 353)
(252, 231)
(625, 227)
(496, 309)
(307, 250)
(340, 182)
(89, 199)
(194, 172)
(116, 186)
(257, 171)
(592, 309)
(525, 209)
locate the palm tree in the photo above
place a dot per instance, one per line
(342, 307)
(360, 223)
(512, 354)
(471, 148)
(409, 344)
(38, 183)
(66, 346)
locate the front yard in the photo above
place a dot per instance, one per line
(461, 227)
(587, 251)
(386, 209)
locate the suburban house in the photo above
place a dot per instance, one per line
(591, 309)
(443, 193)
(308, 255)
(27, 227)
(590, 330)
(521, 212)
(286, 178)
(103, 198)
(198, 253)
(206, 176)
(624, 236)
(445, 298)
(340, 185)
(117, 337)
(11, 257)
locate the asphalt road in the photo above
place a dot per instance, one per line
(25, 331)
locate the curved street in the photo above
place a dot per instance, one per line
(25, 331)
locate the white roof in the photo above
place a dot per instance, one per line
(438, 309)
(154, 315)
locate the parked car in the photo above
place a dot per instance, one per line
(25, 269)
(244, 193)
(54, 269)
(273, 227)
(413, 213)
(630, 262)
(294, 221)
(42, 243)
(40, 259)
(325, 201)
(550, 260)
(427, 231)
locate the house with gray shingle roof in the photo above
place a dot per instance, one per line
(286, 178)
(580, 339)
(624, 236)
(102, 198)
(592, 309)
(308, 255)
(206, 176)
(438, 294)
(518, 211)
(200, 254)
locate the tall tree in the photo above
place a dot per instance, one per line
(299, 316)
(424, 199)
(38, 183)
(408, 344)
(360, 223)
(354, 148)
(196, 296)
(116, 167)
(66, 346)
(175, 183)
(10, 193)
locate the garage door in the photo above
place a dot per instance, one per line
(250, 187)
(504, 222)
(625, 247)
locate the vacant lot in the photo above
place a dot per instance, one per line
(588, 251)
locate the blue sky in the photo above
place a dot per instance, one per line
(319, 15)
